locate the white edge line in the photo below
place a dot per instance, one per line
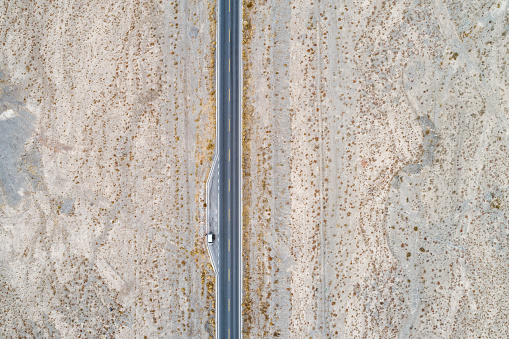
(207, 210)
(241, 86)
(216, 155)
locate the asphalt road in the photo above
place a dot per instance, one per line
(229, 151)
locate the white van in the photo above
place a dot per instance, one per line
(210, 237)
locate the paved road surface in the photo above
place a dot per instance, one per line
(229, 148)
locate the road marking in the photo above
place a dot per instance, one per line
(228, 304)
(229, 5)
(228, 251)
(228, 65)
(228, 214)
(228, 333)
(228, 185)
(228, 154)
(228, 269)
(229, 35)
(228, 94)
(228, 125)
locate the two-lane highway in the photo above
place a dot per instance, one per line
(228, 72)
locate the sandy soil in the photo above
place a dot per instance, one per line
(102, 172)
(375, 169)
(375, 163)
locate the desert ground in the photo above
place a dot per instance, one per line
(102, 168)
(376, 169)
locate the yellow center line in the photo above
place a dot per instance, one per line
(228, 185)
(228, 94)
(228, 154)
(228, 125)
(228, 304)
(228, 251)
(229, 5)
(228, 333)
(228, 214)
(228, 272)
(228, 65)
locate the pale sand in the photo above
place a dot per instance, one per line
(101, 215)
(376, 169)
